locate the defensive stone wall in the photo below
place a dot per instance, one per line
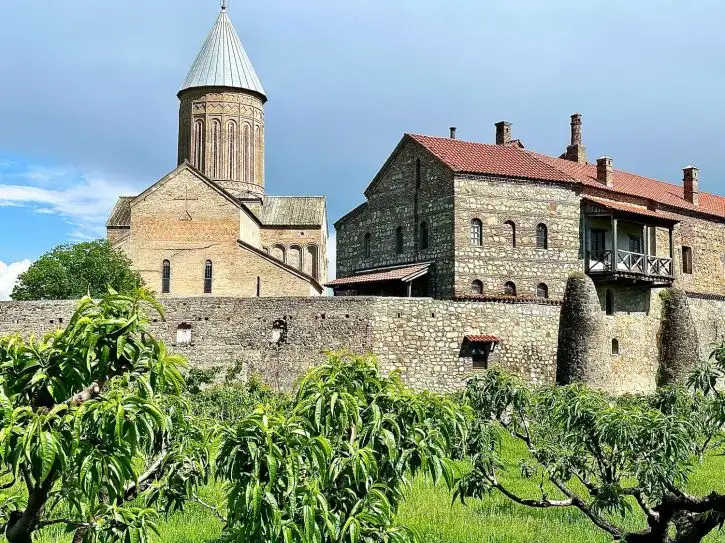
(422, 338)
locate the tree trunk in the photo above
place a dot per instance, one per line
(693, 527)
(79, 534)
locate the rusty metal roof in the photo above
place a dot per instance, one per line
(121, 215)
(405, 273)
(293, 211)
(223, 62)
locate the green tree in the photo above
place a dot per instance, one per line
(333, 466)
(94, 434)
(74, 271)
(607, 456)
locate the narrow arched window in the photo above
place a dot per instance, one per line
(255, 151)
(366, 245)
(207, 277)
(279, 252)
(476, 232)
(511, 232)
(417, 174)
(509, 288)
(312, 264)
(399, 239)
(166, 277)
(542, 291)
(615, 346)
(259, 286)
(609, 302)
(232, 150)
(423, 234)
(199, 144)
(216, 149)
(542, 236)
(247, 143)
(295, 257)
(477, 287)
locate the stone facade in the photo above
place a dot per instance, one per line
(421, 337)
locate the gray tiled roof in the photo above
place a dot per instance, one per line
(121, 215)
(293, 211)
(222, 61)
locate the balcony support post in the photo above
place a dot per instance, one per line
(672, 250)
(645, 244)
(615, 254)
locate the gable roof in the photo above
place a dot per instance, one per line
(402, 273)
(121, 214)
(292, 211)
(511, 161)
(223, 62)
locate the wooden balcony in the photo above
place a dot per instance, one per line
(631, 267)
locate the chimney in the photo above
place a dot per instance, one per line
(453, 132)
(605, 172)
(575, 151)
(503, 133)
(691, 181)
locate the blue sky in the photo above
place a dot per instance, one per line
(88, 108)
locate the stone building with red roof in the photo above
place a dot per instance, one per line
(453, 219)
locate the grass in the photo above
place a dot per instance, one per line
(429, 510)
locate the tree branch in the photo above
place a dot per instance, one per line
(543, 503)
(68, 522)
(209, 506)
(584, 508)
(131, 490)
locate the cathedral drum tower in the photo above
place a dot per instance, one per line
(221, 115)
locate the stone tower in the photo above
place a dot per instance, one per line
(221, 116)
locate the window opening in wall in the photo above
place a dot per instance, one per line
(542, 236)
(259, 286)
(686, 259)
(609, 302)
(366, 245)
(511, 226)
(399, 239)
(424, 235)
(417, 174)
(166, 277)
(509, 288)
(216, 159)
(477, 287)
(596, 243)
(542, 291)
(279, 331)
(476, 232)
(207, 277)
(479, 349)
(635, 244)
(615, 346)
(232, 151)
(183, 334)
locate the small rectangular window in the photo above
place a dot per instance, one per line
(686, 259)
(596, 241)
(635, 244)
(479, 354)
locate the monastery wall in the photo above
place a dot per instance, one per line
(423, 338)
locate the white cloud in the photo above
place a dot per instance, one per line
(85, 198)
(9, 275)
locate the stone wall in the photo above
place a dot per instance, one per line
(421, 337)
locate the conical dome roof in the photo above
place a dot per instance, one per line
(222, 61)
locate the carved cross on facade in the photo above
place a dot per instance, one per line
(186, 216)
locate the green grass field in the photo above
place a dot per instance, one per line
(428, 509)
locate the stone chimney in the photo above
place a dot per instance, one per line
(453, 132)
(691, 181)
(503, 133)
(575, 151)
(605, 171)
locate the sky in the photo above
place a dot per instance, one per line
(88, 107)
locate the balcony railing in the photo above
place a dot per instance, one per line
(629, 263)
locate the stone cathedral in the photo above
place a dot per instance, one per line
(208, 227)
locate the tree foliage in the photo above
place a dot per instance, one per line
(94, 434)
(606, 456)
(73, 271)
(334, 465)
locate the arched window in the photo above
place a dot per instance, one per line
(615, 346)
(254, 151)
(207, 277)
(609, 302)
(417, 174)
(423, 235)
(542, 236)
(399, 239)
(199, 145)
(312, 265)
(509, 288)
(232, 150)
(259, 286)
(476, 287)
(542, 291)
(295, 257)
(166, 277)
(476, 232)
(366, 245)
(511, 232)
(247, 143)
(279, 252)
(216, 149)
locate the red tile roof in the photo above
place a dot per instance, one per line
(511, 161)
(402, 274)
(482, 338)
(629, 208)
